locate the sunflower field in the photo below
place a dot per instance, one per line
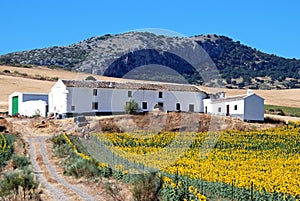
(240, 165)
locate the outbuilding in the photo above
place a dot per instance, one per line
(28, 104)
(248, 107)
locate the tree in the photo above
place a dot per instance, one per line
(131, 107)
(90, 78)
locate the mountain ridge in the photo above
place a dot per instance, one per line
(119, 55)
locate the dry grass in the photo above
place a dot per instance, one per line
(10, 84)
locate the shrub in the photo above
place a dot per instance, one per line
(19, 180)
(19, 162)
(81, 167)
(90, 78)
(6, 71)
(147, 187)
(131, 107)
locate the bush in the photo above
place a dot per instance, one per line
(131, 107)
(147, 187)
(6, 71)
(81, 167)
(20, 162)
(20, 180)
(90, 78)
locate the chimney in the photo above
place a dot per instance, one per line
(249, 92)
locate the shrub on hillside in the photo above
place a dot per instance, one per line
(90, 78)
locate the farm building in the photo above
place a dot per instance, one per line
(69, 97)
(72, 97)
(28, 104)
(248, 107)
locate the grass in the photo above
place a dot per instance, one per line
(282, 110)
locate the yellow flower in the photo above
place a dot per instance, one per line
(191, 189)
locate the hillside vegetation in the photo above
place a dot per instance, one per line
(240, 66)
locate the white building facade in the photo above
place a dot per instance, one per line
(106, 97)
(28, 104)
(248, 107)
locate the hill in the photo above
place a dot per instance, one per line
(117, 55)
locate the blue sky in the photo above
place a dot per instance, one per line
(269, 26)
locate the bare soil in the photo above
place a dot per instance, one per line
(173, 121)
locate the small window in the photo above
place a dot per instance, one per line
(73, 108)
(95, 105)
(235, 107)
(177, 106)
(191, 108)
(95, 92)
(144, 105)
(129, 94)
(219, 109)
(160, 94)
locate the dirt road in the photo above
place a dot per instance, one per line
(53, 182)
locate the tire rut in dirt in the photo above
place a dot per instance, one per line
(56, 192)
(55, 175)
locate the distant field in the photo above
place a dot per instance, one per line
(282, 110)
(9, 83)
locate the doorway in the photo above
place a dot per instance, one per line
(227, 110)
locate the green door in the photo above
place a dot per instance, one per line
(15, 105)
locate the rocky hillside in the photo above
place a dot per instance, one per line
(119, 55)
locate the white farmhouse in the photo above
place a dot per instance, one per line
(248, 107)
(28, 104)
(68, 97)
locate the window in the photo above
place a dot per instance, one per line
(191, 108)
(219, 109)
(95, 105)
(144, 105)
(129, 94)
(160, 94)
(95, 92)
(177, 106)
(73, 108)
(235, 107)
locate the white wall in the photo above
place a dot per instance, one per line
(239, 112)
(113, 100)
(31, 108)
(254, 108)
(58, 98)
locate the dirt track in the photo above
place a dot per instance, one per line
(53, 182)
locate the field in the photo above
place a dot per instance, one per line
(283, 110)
(240, 165)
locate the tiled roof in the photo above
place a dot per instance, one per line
(132, 85)
(230, 98)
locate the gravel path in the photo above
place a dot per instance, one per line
(58, 193)
(55, 175)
